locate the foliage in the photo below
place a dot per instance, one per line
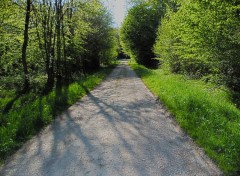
(138, 32)
(101, 40)
(49, 44)
(201, 38)
(63, 38)
(205, 112)
(11, 24)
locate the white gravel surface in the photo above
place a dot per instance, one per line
(117, 129)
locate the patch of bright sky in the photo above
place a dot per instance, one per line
(118, 9)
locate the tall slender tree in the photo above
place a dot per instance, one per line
(25, 44)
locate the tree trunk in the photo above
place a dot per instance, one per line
(24, 46)
(58, 4)
(66, 73)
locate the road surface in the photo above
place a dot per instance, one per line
(117, 129)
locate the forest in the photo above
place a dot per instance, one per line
(190, 56)
(47, 41)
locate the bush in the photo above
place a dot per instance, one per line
(201, 38)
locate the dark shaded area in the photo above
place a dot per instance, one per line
(10, 104)
(236, 98)
(151, 63)
(122, 55)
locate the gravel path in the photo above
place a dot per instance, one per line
(117, 129)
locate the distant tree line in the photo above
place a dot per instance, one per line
(139, 30)
(49, 41)
(197, 38)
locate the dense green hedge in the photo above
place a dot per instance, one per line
(201, 38)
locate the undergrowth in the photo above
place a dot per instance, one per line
(205, 112)
(28, 114)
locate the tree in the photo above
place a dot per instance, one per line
(138, 32)
(200, 38)
(24, 46)
(11, 41)
(98, 41)
(61, 38)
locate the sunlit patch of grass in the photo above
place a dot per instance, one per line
(29, 113)
(205, 112)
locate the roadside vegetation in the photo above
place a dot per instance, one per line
(199, 39)
(30, 112)
(205, 112)
(196, 44)
(51, 54)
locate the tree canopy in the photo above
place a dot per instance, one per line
(138, 32)
(48, 41)
(201, 38)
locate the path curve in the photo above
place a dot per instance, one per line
(117, 129)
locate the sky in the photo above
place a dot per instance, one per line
(118, 9)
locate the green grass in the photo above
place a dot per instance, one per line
(31, 112)
(205, 112)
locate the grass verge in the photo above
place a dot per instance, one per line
(30, 113)
(204, 112)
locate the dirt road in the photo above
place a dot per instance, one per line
(117, 129)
